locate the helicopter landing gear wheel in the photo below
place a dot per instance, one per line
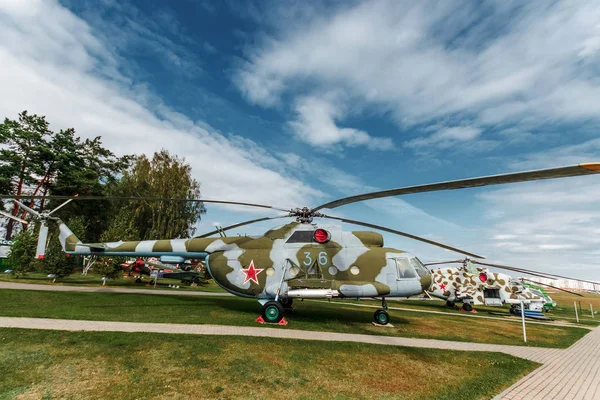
(467, 307)
(272, 312)
(381, 317)
(286, 303)
(450, 304)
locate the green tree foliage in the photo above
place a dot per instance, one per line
(164, 176)
(24, 155)
(22, 253)
(109, 267)
(55, 260)
(87, 169)
(38, 161)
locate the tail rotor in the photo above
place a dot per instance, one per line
(43, 217)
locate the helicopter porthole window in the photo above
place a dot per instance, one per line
(294, 271)
(270, 271)
(332, 270)
(354, 270)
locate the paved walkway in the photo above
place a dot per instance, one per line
(104, 289)
(538, 354)
(573, 373)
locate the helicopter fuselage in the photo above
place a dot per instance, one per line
(287, 262)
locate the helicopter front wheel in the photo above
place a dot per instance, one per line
(381, 317)
(272, 312)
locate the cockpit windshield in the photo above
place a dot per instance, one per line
(410, 268)
(419, 267)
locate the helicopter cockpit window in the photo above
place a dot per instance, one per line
(301, 237)
(405, 270)
(419, 267)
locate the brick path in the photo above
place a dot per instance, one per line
(573, 373)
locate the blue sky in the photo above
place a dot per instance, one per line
(295, 103)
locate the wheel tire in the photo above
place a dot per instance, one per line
(450, 304)
(272, 312)
(467, 307)
(287, 302)
(138, 280)
(381, 317)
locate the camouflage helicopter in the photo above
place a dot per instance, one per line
(305, 260)
(470, 285)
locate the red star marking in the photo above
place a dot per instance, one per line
(251, 273)
(443, 286)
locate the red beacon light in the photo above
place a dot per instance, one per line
(483, 277)
(322, 236)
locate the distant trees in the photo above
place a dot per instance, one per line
(24, 156)
(163, 176)
(34, 160)
(37, 161)
(22, 253)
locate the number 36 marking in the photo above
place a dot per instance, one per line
(321, 258)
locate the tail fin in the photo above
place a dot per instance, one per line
(67, 238)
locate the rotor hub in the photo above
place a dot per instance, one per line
(304, 215)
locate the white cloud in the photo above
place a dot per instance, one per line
(50, 66)
(496, 63)
(550, 226)
(587, 151)
(447, 137)
(315, 124)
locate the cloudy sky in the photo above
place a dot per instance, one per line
(297, 103)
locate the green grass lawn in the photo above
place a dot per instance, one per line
(53, 364)
(307, 315)
(561, 313)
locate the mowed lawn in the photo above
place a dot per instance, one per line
(563, 312)
(566, 306)
(307, 315)
(37, 364)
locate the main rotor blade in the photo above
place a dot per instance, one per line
(252, 221)
(61, 206)
(445, 262)
(561, 172)
(235, 203)
(29, 210)
(532, 272)
(553, 287)
(8, 215)
(408, 235)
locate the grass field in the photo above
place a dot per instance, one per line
(308, 315)
(76, 365)
(565, 307)
(564, 311)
